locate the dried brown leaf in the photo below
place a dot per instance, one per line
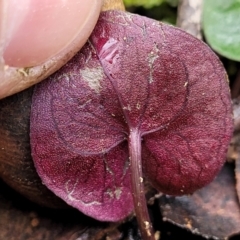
(211, 212)
(21, 220)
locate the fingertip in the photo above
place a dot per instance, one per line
(44, 28)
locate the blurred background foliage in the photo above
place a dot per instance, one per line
(163, 10)
(149, 3)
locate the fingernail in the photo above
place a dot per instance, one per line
(34, 31)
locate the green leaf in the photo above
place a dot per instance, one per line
(172, 3)
(221, 25)
(143, 3)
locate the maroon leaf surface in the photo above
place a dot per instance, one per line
(136, 82)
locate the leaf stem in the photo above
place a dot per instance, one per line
(139, 198)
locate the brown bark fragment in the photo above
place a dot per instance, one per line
(16, 165)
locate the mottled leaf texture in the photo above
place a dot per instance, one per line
(212, 212)
(138, 77)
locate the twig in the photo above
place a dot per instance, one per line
(234, 148)
(236, 86)
(113, 4)
(189, 16)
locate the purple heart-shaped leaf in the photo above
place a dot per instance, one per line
(141, 96)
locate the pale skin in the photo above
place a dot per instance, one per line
(38, 37)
